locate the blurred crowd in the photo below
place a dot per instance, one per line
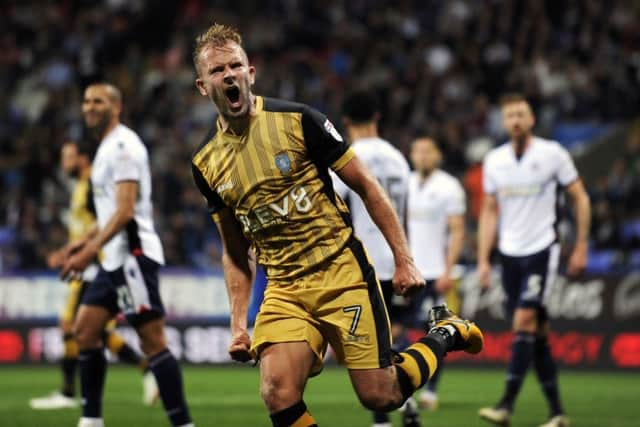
(615, 199)
(438, 67)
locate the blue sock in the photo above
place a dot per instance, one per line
(167, 372)
(93, 368)
(521, 355)
(547, 374)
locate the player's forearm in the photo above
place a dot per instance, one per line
(486, 234)
(382, 213)
(238, 277)
(456, 242)
(583, 218)
(93, 231)
(90, 234)
(118, 221)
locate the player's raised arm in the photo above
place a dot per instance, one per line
(582, 206)
(355, 175)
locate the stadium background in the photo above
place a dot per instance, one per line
(438, 67)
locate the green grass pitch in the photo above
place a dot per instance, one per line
(228, 396)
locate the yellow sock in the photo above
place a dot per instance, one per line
(294, 416)
(306, 420)
(417, 364)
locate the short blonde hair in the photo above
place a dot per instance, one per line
(512, 98)
(217, 35)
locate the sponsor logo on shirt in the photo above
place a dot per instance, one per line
(521, 191)
(328, 126)
(277, 212)
(223, 187)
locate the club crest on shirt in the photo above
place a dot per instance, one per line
(283, 162)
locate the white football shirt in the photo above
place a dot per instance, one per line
(527, 193)
(391, 170)
(431, 203)
(122, 156)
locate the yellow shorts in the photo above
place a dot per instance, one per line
(75, 288)
(340, 302)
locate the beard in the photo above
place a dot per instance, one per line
(96, 132)
(520, 138)
(74, 172)
(425, 170)
(222, 101)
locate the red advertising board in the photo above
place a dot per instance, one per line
(596, 324)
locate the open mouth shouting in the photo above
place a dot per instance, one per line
(233, 98)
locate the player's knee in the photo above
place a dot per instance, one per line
(151, 345)
(379, 400)
(277, 394)
(151, 349)
(85, 336)
(152, 338)
(525, 321)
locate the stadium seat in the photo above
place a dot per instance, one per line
(630, 231)
(572, 135)
(7, 235)
(633, 262)
(602, 261)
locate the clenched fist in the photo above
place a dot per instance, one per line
(239, 347)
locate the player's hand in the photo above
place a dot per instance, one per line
(239, 347)
(74, 247)
(577, 260)
(77, 262)
(407, 280)
(56, 258)
(444, 284)
(484, 274)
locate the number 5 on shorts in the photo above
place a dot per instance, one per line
(534, 286)
(357, 309)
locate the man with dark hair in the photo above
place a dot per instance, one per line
(131, 258)
(76, 163)
(360, 117)
(360, 108)
(521, 180)
(264, 171)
